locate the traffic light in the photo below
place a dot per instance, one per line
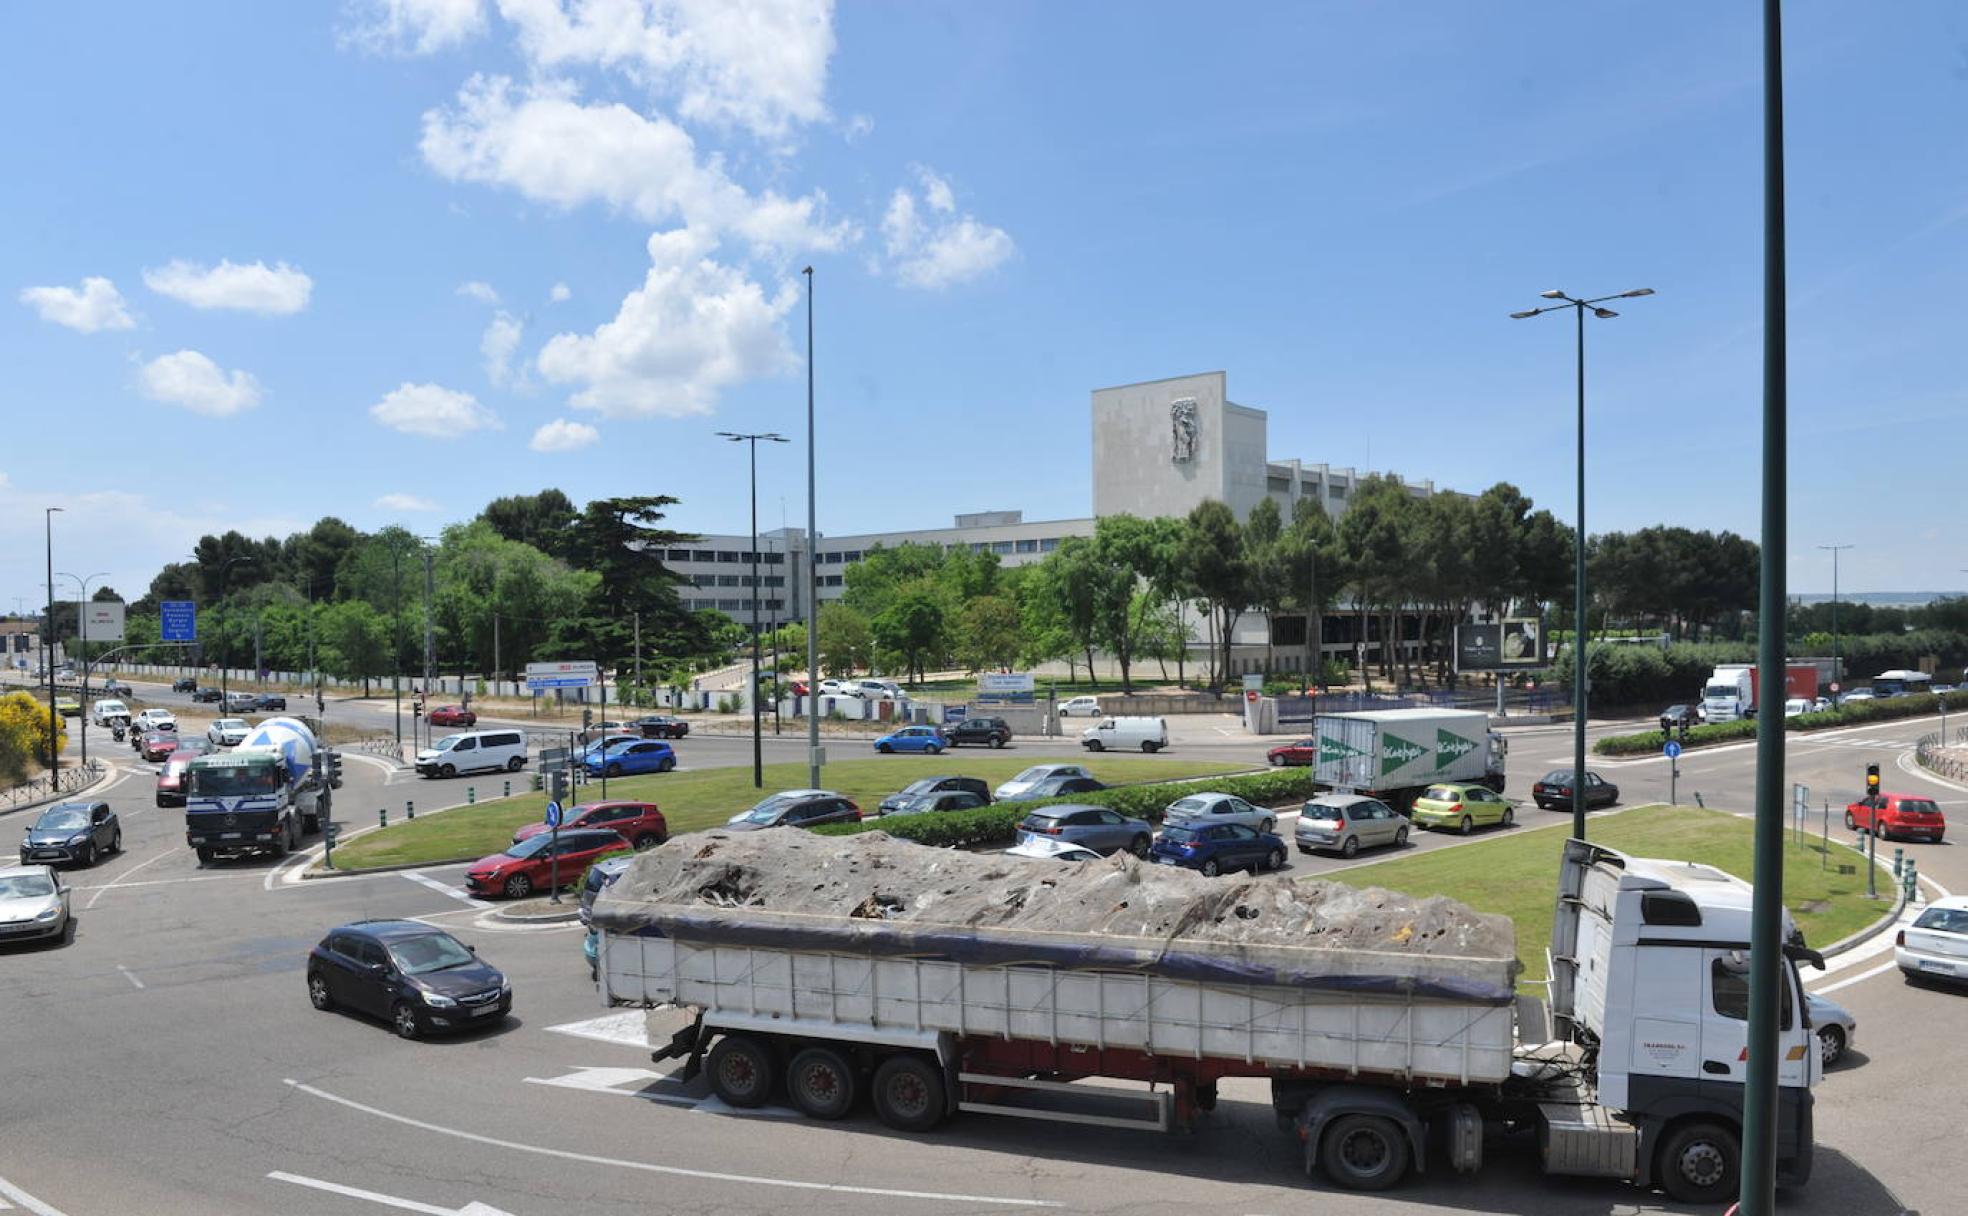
(1872, 781)
(332, 763)
(417, 708)
(587, 718)
(557, 785)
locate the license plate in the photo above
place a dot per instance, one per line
(1165, 861)
(1931, 965)
(229, 835)
(47, 853)
(482, 1010)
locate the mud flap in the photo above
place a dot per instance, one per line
(686, 1042)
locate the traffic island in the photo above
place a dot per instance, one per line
(540, 910)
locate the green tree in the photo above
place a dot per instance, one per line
(354, 642)
(1371, 535)
(620, 540)
(911, 628)
(989, 633)
(846, 644)
(537, 520)
(1219, 572)
(1268, 576)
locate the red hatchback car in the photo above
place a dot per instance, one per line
(1899, 816)
(529, 866)
(453, 715)
(639, 823)
(1303, 751)
(158, 745)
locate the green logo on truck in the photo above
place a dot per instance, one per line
(1450, 747)
(1332, 751)
(1396, 752)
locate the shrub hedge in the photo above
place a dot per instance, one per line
(1854, 713)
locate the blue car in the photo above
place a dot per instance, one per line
(913, 739)
(1215, 847)
(631, 756)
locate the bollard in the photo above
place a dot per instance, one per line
(382, 817)
(1899, 862)
(409, 809)
(536, 783)
(508, 789)
(1912, 881)
(471, 795)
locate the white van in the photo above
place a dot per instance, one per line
(1114, 734)
(104, 710)
(474, 751)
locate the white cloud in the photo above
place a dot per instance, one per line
(500, 341)
(942, 248)
(190, 379)
(274, 291)
(412, 27)
(560, 435)
(559, 294)
(857, 127)
(404, 502)
(544, 143)
(695, 327)
(97, 305)
(482, 292)
(433, 411)
(756, 64)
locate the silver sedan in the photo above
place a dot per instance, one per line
(1199, 810)
(1347, 823)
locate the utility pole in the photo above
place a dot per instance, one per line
(496, 668)
(1836, 673)
(758, 743)
(430, 643)
(812, 563)
(48, 642)
(396, 642)
(638, 650)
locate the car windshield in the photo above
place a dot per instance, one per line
(1919, 806)
(1559, 776)
(24, 885)
(1442, 793)
(234, 781)
(1947, 920)
(226, 724)
(531, 845)
(1189, 804)
(923, 786)
(1035, 773)
(64, 817)
(1177, 831)
(431, 952)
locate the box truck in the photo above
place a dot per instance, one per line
(1394, 754)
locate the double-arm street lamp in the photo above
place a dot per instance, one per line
(758, 737)
(1579, 308)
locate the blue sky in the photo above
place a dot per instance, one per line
(1006, 205)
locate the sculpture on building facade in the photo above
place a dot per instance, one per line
(1184, 425)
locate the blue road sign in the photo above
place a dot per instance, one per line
(1673, 750)
(178, 621)
(553, 814)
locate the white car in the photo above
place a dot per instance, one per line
(103, 711)
(1834, 1025)
(876, 690)
(33, 903)
(834, 688)
(1037, 773)
(156, 719)
(1936, 944)
(1047, 849)
(1795, 706)
(1080, 707)
(228, 732)
(1858, 694)
(1198, 810)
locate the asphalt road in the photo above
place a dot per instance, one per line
(166, 1061)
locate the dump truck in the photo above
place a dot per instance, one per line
(261, 796)
(1395, 754)
(1390, 1030)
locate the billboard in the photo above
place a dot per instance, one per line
(577, 674)
(1004, 687)
(1514, 644)
(102, 621)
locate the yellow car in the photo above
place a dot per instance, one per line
(1462, 807)
(68, 707)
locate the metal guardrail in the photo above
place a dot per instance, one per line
(61, 781)
(1929, 754)
(381, 746)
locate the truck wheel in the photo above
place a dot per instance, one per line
(204, 856)
(740, 1070)
(1364, 1152)
(908, 1093)
(1699, 1163)
(821, 1083)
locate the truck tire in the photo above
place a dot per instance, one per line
(821, 1083)
(908, 1093)
(205, 856)
(1699, 1163)
(1364, 1152)
(741, 1071)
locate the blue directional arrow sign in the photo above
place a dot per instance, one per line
(178, 621)
(553, 814)
(1673, 750)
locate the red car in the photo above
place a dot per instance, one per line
(1304, 751)
(170, 780)
(521, 869)
(1899, 816)
(453, 715)
(639, 823)
(158, 745)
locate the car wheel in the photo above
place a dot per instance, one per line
(519, 886)
(1831, 1044)
(404, 1018)
(318, 992)
(447, 770)
(1509, 817)
(934, 750)
(87, 857)
(515, 764)
(820, 1082)
(1851, 822)
(1276, 861)
(1401, 837)
(1094, 745)
(997, 742)
(648, 840)
(884, 748)
(1277, 761)
(1364, 1152)
(1699, 1163)
(667, 764)
(204, 855)
(1139, 846)
(908, 1093)
(740, 1070)
(1211, 869)
(1270, 825)
(613, 770)
(1350, 847)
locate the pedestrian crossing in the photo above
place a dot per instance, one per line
(1883, 745)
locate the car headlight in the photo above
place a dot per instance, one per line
(505, 986)
(50, 914)
(438, 1000)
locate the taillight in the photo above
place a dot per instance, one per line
(1899, 939)
(1456, 807)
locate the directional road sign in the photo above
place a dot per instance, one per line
(553, 814)
(1673, 750)
(571, 674)
(178, 621)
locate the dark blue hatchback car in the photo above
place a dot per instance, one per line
(1215, 847)
(419, 978)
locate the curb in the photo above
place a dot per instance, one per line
(1885, 922)
(312, 873)
(512, 914)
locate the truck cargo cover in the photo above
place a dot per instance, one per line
(876, 895)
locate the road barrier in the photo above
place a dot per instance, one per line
(61, 781)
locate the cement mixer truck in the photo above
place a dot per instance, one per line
(259, 797)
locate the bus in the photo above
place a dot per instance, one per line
(1901, 683)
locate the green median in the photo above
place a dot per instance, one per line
(690, 801)
(1515, 872)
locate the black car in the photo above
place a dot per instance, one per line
(796, 809)
(942, 800)
(76, 832)
(1674, 717)
(1056, 787)
(985, 732)
(113, 687)
(1553, 791)
(418, 978)
(936, 785)
(184, 684)
(660, 726)
(270, 700)
(202, 695)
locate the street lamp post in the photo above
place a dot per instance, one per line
(82, 637)
(224, 568)
(48, 638)
(812, 572)
(758, 740)
(1578, 308)
(1836, 674)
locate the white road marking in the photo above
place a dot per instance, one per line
(128, 975)
(474, 1208)
(168, 882)
(444, 888)
(26, 1200)
(651, 1167)
(119, 879)
(1847, 982)
(628, 1028)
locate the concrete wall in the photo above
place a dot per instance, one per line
(1134, 470)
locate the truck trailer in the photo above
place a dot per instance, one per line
(1391, 1031)
(1731, 692)
(1395, 754)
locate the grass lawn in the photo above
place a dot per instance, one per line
(1516, 872)
(692, 800)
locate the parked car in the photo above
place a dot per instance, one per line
(1045, 848)
(795, 809)
(1835, 1026)
(72, 832)
(228, 732)
(1464, 807)
(1297, 752)
(912, 739)
(1055, 787)
(947, 800)
(639, 823)
(1347, 823)
(452, 715)
(875, 690)
(267, 701)
(1857, 694)
(1898, 817)
(1080, 707)
(156, 719)
(417, 978)
(597, 746)
(518, 870)
(1035, 774)
(1553, 791)
(1674, 717)
(984, 732)
(1820, 704)
(936, 785)
(113, 687)
(833, 688)
(1942, 689)
(157, 745)
(1213, 848)
(1122, 733)
(661, 726)
(474, 751)
(1096, 827)
(1797, 705)
(33, 903)
(184, 684)
(631, 757)
(106, 710)
(1935, 945)
(1198, 810)
(204, 696)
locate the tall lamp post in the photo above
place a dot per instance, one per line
(1836, 674)
(82, 636)
(224, 567)
(1579, 308)
(758, 739)
(48, 638)
(812, 570)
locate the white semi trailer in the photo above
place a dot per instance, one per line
(1381, 1062)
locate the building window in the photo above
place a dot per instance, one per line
(727, 580)
(852, 555)
(1001, 546)
(677, 555)
(773, 605)
(728, 605)
(775, 580)
(1278, 485)
(775, 559)
(702, 555)
(1048, 544)
(728, 555)
(977, 546)
(830, 559)
(1336, 491)
(832, 580)
(1028, 546)
(703, 580)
